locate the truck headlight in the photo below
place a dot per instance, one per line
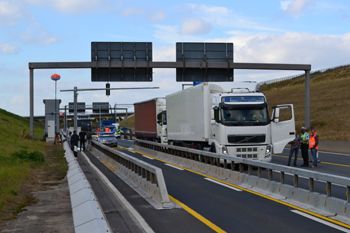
(224, 150)
(268, 151)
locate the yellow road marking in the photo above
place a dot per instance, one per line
(250, 191)
(198, 216)
(335, 164)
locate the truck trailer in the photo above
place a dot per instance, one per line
(150, 120)
(232, 120)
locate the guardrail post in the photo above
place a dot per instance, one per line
(270, 174)
(250, 169)
(347, 193)
(259, 172)
(240, 168)
(329, 189)
(225, 163)
(283, 177)
(311, 184)
(296, 181)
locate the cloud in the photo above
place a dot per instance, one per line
(158, 16)
(36, 34)
(71, 6)
(195, 26)
(345, 16)
(321, 51)
(11, 12)
(132, 11)
(8, 48)
(296, 7)
(222, 17)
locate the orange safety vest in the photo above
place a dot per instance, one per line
(312, 141)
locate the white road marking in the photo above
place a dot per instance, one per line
(174, 167)
(321, 221)
(147, 157)
(225, 185)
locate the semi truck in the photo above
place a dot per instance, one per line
(231, 119)
(150, 120)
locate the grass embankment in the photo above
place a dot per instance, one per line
(24, 163)
(131, 123)
(330, 101)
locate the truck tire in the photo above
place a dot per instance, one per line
(212, 148)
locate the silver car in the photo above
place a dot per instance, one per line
(107, 138)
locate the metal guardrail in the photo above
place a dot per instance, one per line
(300, 75)
(214, 159)
(150, 173)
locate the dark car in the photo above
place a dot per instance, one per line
(107, 138)
(126, 130)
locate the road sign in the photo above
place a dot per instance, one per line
(80, 107)
(100, 106)
(203, 53)
(121, 52)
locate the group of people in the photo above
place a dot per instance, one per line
(74, 139)
(304, 142)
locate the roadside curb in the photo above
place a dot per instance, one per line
(87, 212)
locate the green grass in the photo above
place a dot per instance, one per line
(330, 101)
(131, 123)
(20, 156)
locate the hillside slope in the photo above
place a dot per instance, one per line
(330, 101)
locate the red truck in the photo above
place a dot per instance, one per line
(150, 120)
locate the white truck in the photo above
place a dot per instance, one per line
(231, 119)
(150, 120)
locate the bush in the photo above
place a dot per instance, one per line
(35, 156)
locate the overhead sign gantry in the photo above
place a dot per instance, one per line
(132, 62)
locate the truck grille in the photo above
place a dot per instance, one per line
(248, 156)
(246, 138)
(247, 153)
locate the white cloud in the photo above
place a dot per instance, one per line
(11, 12)
(296, 7)
(222, 16)
(17, 100)
(321, 51)
(36, 34)
(8, 48)
(132, 11)
(285, 4)
(70, 6)
(195, 26)
(158, 16)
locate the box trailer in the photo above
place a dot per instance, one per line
(150, 120)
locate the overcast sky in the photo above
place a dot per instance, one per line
(315, 32)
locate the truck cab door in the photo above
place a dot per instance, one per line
(282, 127)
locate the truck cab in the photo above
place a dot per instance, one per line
(241, 124)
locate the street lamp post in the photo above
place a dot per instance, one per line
(55, 77)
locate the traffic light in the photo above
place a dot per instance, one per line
(108, 92)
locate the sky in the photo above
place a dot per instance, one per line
(315, 32)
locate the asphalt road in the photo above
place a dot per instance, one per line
(232, 210)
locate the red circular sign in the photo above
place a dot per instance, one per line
(55, 77)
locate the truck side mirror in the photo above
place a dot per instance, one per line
(276, 115)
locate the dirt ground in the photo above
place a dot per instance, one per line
(43, 202)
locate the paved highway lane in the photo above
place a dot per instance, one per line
(232, 210)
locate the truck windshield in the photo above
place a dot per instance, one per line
(244, 115)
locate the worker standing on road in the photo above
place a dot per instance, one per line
(304, 147)
(119, 132)
(313, 145)
(82, 135)
(294, 149)
(74, 142)
(88, 139)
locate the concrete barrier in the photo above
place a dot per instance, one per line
(141, 183)
(87, 213)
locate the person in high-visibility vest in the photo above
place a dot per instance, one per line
(313, 145)
(304, 146)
